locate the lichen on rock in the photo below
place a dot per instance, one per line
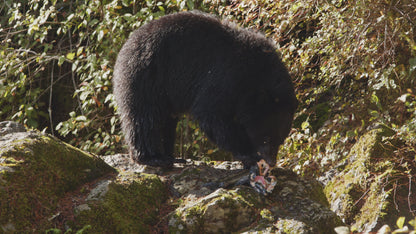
(361, 194)
(242, 209)
(36, 170)
(131, 204)
(46, 184)
(221, 211)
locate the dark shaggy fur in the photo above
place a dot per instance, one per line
(231, 80)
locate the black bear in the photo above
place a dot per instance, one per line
(230, 79)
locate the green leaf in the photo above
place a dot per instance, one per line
(413, 222)
(83, 96)
(351, 133)
(113, 120)
(412, 63)
(374, 113)
(81, 118)
(376, 100)
(59, 126)
(70, 56)
(125, 3)
(305, 125)
(80, 50)
(72, 114)
(100, 35)
(190, 4)
(61, 60)
(400, 222)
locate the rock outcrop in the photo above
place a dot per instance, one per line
(36, 172)
(366, 191)
(46, 184)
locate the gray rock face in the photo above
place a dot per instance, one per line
(219, 212)
(213, 199)
(296, 205)
(7, 127)
(37, 171)
(189, 198)
(363, 194)
(12, 131)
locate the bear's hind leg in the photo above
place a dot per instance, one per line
(154, 142)
(169, 135)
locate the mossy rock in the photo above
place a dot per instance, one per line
(131, 205)
(361, 194)
(223, 211)
(296, 205)
(36, 170)
(304, 205)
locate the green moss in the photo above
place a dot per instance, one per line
(371, 211)
(293, 226)
(222, 211)
(131, 205)
(10, 162)
(266, 214)
(247, 195)
(361, 187)
(316, 193)
(43, 169)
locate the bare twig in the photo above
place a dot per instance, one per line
(394, 196)
(409, 195)
(362, 196)
(50, 98)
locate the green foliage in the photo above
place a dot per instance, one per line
(350, 63)
(353, 65)
(73, 43)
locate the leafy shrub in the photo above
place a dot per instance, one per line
(350, 63)
(353, 64)
(52, 48)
